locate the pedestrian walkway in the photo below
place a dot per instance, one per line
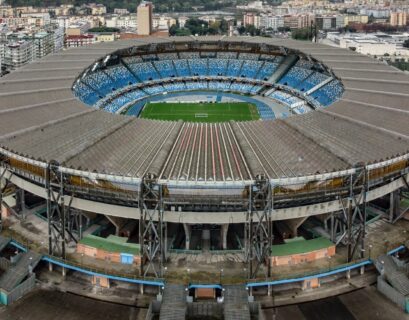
(26, 261)
(173, 305)
(236, 303)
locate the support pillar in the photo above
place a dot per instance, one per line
(117, 222)
(188, 233)
(394, 208)
(224, 230)
(294, 224)
(151, 210)
(165, 240)
(20, 202)
(258, 232)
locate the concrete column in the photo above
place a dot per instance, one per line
(165, 240)
(294, 224)
(20, 203)
(117, 222)
(223, 230)
(188, 233)
(394, 208)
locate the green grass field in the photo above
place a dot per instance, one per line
(201, 112)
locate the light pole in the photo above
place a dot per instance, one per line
(221, 274)
(370, 249)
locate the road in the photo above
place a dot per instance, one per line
(364, 304)
(55, 305)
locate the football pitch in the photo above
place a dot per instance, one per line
(201, 112)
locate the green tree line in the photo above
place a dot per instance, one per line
(160, 5)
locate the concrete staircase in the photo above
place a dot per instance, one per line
(390, 271)
(236, 305)
(173, 305)
(3, 242)
(20, 270)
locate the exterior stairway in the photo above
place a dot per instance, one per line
(173, 305)
(236, 303)
(20, 270)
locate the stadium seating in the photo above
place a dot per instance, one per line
(219, 85)
(100, 82)
(177, 86)
(144, 71)
(304, 64)
(299, 109)
(241, 87)
(311, 81)
(121, 76)
(150, 57)
(227, 55)
(248, 56)
(265, 112)
(295, 76)
(168, 56)
(86, 94)
(136, 109)
(155, 89)
(250, 68)
(198, 67)
(267, 57)
(189, 55)
(165, 68)
(255, 89)
(208, 54)
(182, 68)
(285, 97)
(217, 67)
(103, 87)
(266, 70)
(234, 67)
(329, 93)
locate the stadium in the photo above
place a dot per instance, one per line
(206, 146)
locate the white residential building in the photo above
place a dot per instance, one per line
(122, 22)
(271, 22)
(18, 53)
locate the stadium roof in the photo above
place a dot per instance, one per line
(41, 119)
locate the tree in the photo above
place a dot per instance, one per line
(103, 29)
(283, 29)
(224, 26)
(406, 43)
(197, 26)
(183, 32)
(301, 34)
(173, 29)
